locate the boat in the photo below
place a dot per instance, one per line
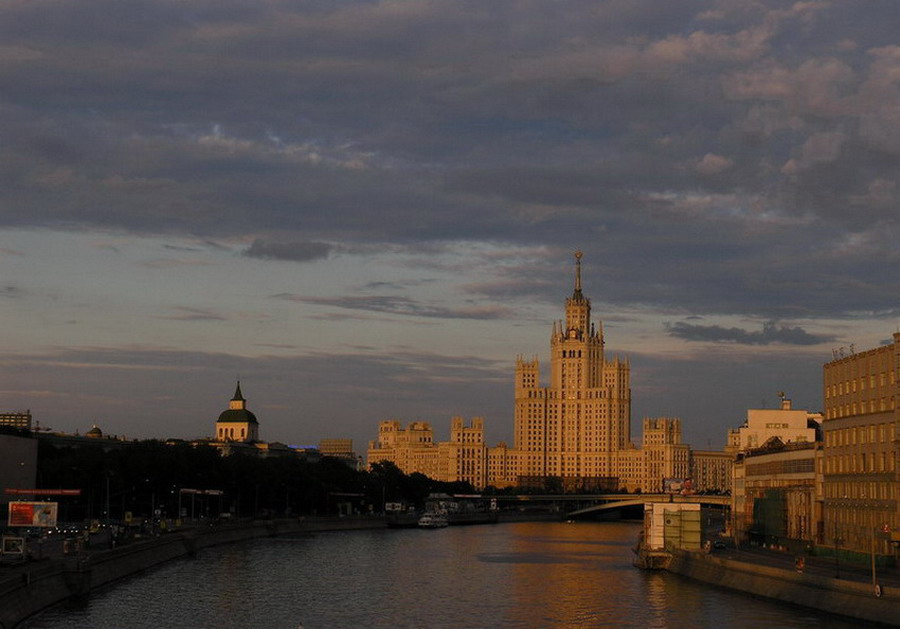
(433, 520)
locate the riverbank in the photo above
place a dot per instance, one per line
(843, 596)
(29, 588)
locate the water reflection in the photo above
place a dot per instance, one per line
(513, 575)
(656, 600)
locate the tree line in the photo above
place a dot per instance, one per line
(172, 480)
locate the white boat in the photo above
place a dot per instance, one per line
(433, 521)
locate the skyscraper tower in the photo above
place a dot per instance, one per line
(573, 428)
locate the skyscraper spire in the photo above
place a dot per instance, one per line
(577, 294)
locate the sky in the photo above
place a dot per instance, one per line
(365, 210)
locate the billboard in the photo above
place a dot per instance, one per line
(32, 514)
(13, 545)
(683, 486)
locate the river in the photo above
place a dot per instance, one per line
(505, 575)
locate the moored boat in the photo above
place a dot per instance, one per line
(433, 520)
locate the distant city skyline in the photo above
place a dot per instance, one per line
(366, 211)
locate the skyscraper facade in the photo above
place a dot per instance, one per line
(573, 428)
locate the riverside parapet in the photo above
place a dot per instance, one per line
(853, 599)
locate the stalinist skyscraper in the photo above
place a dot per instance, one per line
(573, 428)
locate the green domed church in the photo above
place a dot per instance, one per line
(237, 423)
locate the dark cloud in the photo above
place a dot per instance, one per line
(194, 314)
(401, 306)
(291, 251)
(375, 286)
(771, 333)
(726, 158)
(182, 248)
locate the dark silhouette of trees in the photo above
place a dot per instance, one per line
(149, 476)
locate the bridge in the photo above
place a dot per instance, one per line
(585, 505)
(618, 502)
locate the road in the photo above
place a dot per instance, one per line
(820, 566)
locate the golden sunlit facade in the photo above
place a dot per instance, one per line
(862, 447)
(573, 435)
(711, 470)
(412, 449)
(785, 423)
(465, 457)
(662, 455)
(574, 428)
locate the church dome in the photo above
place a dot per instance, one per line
(94, 432)
(237, 415)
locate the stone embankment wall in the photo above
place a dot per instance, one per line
(837, 596)
(34, 587)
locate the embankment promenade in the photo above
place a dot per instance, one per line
(851, 596)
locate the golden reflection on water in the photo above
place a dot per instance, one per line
(657, 601)
(578, 580)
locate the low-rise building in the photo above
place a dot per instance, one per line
(337, 447)
(411, 449)
(502, 466)
(341, 449)
(711, 470)
(16, 419)
(777, 495)
(465, 457)
(661, 456)
(787, 424)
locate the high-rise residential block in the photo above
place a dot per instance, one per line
(573, 428)
(862, 448)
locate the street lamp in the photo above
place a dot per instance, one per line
(837, 553)
(837, 548)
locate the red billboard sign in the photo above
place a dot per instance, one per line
(32, 514)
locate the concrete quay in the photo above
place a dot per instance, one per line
(774, 576)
